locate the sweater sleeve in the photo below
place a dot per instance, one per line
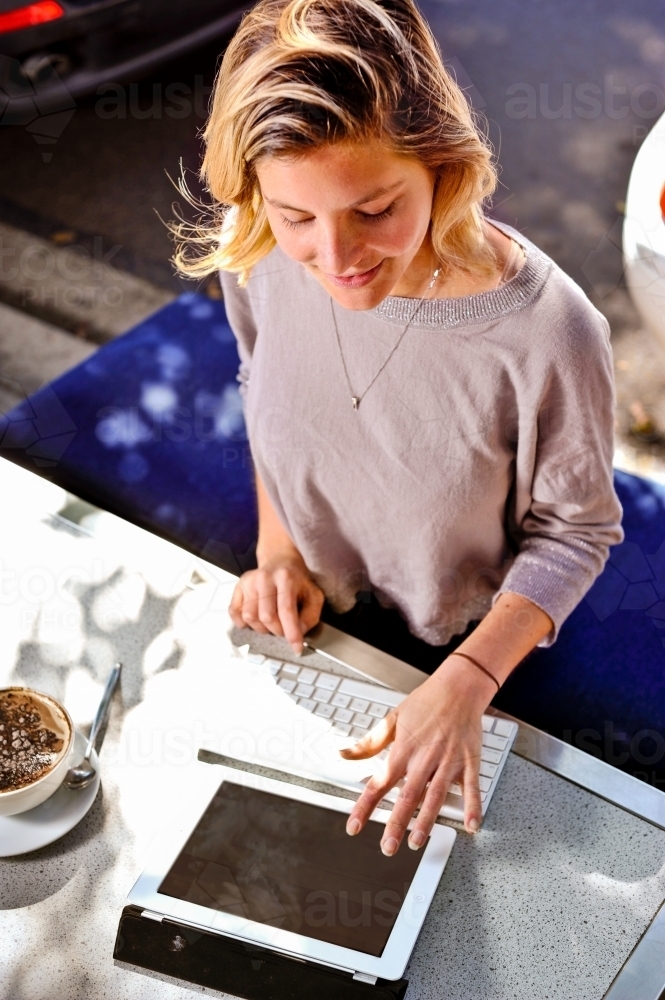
(239, 314)
(571, 514)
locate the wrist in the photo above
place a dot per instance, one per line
(471, 684)
(283, 555)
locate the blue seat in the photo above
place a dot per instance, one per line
(151, 428)
(601, 686)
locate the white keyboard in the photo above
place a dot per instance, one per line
(353, 707)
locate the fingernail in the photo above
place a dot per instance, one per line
(297, 650)
(389, 846)
(473, 825)
(416, 840)
(353, 827)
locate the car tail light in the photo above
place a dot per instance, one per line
(29, 16)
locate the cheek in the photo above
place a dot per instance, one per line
(296, 244)
(401, 235)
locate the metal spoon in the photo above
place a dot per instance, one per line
(84, 773)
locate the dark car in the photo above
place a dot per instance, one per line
(53, 51)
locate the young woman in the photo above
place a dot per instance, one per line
(428, 397)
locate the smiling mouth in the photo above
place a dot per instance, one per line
(355, 280)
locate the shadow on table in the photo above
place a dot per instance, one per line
(31, 878)
(110, 633)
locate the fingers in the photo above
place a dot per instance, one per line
(473, 808)
(235, 607)
(310, 608)
(435, 796)
(287, 611)
(244, 608)
(408, 800)
(422, 791)
(267, 601)
(376, 740)
(374, 791)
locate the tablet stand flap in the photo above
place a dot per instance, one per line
(243, 970)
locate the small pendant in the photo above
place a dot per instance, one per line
(355, 402)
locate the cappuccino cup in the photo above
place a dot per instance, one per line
(36, 744)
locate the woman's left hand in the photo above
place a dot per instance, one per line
(435, 737)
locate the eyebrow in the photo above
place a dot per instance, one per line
(372, 196)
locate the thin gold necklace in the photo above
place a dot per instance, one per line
(355, 399)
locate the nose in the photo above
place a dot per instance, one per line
(338, 250)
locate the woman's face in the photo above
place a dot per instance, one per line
(356, 216)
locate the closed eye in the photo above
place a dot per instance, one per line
(378, 216)
(365, 216)
(290, 224)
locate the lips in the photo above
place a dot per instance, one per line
(355, 280)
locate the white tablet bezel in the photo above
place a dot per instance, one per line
(171, 840)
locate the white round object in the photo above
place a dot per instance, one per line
(20, 800)
(644, 232)
(55, 817)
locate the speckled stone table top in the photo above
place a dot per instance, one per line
(547, 901)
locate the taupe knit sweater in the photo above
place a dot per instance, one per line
(480, 460)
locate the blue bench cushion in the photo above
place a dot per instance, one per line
(151, 428)
(602, 685)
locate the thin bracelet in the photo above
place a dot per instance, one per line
(479, 665)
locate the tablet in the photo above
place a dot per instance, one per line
(270, 863)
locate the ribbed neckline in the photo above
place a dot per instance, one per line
(479, 308)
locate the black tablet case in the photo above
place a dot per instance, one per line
(243, 970)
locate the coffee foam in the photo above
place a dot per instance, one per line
(35, 735)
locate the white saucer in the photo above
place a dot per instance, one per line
(52, 819)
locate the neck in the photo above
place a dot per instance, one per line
(415, 281)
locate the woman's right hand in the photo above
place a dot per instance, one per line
(280, 598)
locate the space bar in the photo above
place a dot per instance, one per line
(371, 692)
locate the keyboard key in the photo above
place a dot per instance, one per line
(328, 681)
(358, 733)
(492, 756)
(495, 742)
(359, 705)
(340, 700)
(307, 704)
(307, 675)
(343, 715)
(488, 722)
(324, 711)
(287, 685)
(454, 807)
(304, 690)
(371, 692)
(255, 657)
(455, 788)
(503, 728)
(343, 728)
(364, 721)
(377, 711)
(322, 695)
(294, 697)
(485, 783)
(489, 770)
(483, 796)
(291, 669)
(274, 665)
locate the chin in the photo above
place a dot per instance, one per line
(358, 299)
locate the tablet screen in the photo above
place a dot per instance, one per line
(292, 865)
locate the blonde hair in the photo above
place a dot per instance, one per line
(302, 73)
